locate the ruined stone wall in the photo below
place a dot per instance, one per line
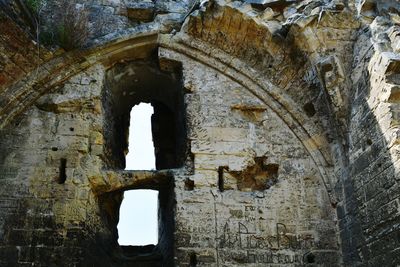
(256, 197)
(257, 193)
(369, 217)
(285, 145)
(51, 218)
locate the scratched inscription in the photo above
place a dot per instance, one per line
(240, 244)
(249, 256)
(242, 238)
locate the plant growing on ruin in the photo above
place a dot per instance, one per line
(71, 25)
(32, 10)
(35, 5)
(67, 26)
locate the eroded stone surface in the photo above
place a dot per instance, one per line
(287, 146)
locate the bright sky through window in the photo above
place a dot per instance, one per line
(138, 223)
(141, 148)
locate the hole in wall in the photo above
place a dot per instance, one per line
(310, 258)
(192, 260)
(62, 177)
(138, 219)
(189, 184)
(258, 176)
(326, 67)
(72, 129)
(369, 142)
(221, 179)
(309, 109)
(54, 148)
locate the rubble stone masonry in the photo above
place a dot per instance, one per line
(276, 128)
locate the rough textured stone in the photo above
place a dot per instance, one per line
(276, 129)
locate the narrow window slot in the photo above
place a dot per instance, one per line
(221, 179)
(62, 171)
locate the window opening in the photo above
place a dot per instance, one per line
(138, 221)
(141, 148)
(138, 218)
(130, 84)
(127, 85)
(62, 177)
(221, 179)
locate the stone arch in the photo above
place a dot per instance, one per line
(141, 46)
(107, 186)
(55, 72)
(263, 89)
(349, 130)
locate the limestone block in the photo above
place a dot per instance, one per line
(230, 181)
(268, 14)
(140, 10)
(395, 114)
(112, 2)
(205, 178)
(226, 134)
(96, 150)
(96, 138)
(394, 35)
(75, 126)
(385, 63)
(98, 182)
(312, 38)
(75, 211)
(212, 162)
(173, 6)
(73, 143)
(393, 94)
(393, 71)
(219, 147)
(273, 26)
(53, 158)
(303, 21)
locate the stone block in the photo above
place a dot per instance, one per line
(212, 162)
(141, 10)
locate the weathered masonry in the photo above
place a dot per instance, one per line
(275, 126)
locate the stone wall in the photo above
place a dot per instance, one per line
(369, 217)
(285, 144)
(257, 214)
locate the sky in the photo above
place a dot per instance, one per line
(138, 223)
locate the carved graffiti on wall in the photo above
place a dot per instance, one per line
(251, 256)
(240, 244)
(242, 238)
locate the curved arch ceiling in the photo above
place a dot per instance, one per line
(52, 74)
